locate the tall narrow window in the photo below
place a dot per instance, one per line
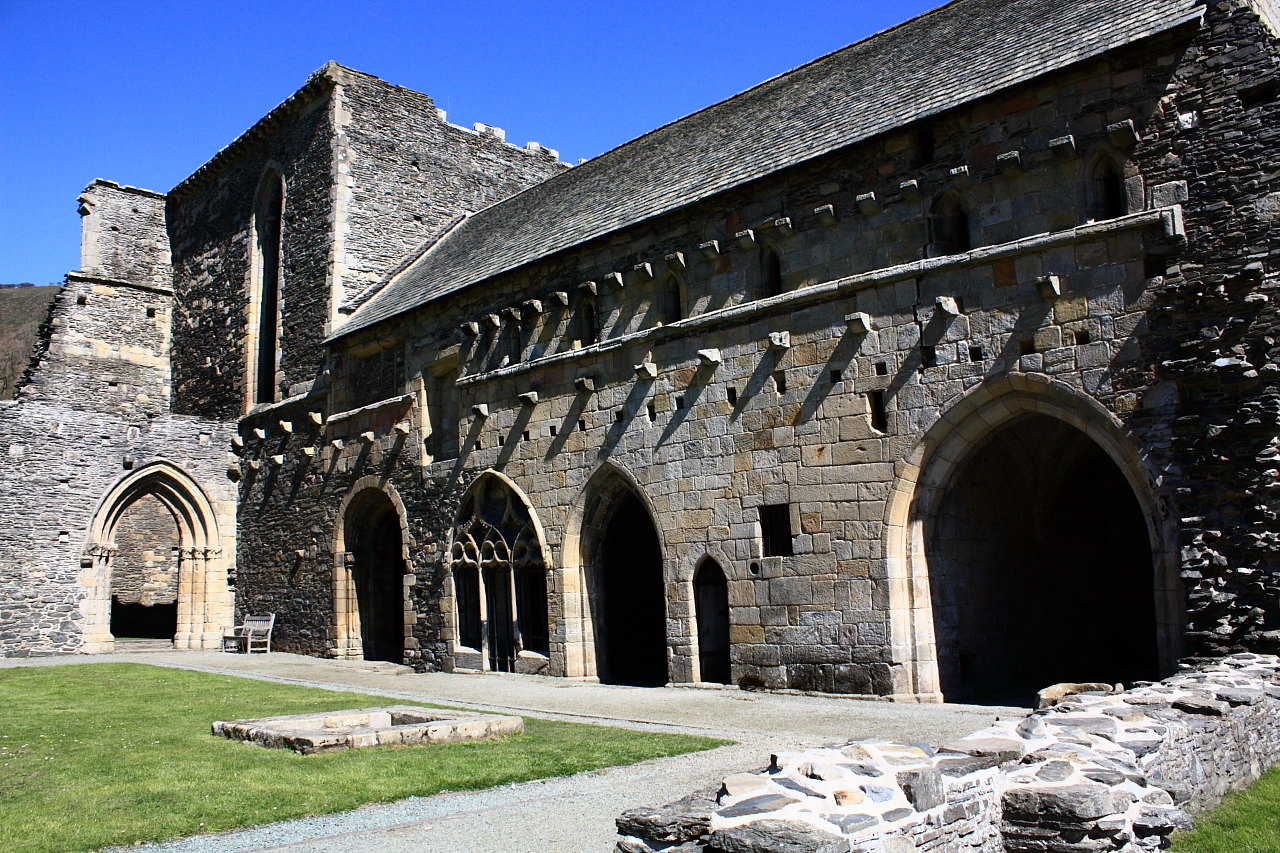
(950, 226)
(267, 228)
(584, 319)
(775, 530)
(671, 310)
(771, 273)
(512, 345)
(442, 412)
(1106, 190)
(925, 144)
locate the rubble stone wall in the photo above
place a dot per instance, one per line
(1098, 771)
(145, 569)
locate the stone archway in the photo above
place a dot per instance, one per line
(621, 573)
(203, 598)
(496, 601)
(929, 484)
(373, 613)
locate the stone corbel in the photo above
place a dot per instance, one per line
(493, 321)
(277, 460)
(587, 287)
(480, 410)
(1123, 134)
(826, 215)
(237, 442)
(709, 357)
(647, 370)
(779, 341)
(746, 238)
(368, 437)
(867, 204)
(1010, 162)
(260, 433)
(585, 384)
(858, 322)
(532, 306)
(528, 398)
(316, 418)
(675, 262)
(402, 428)
(947, 305)
(562, 298)
(471, 329)
(642, 272)
(910, 190)
(1049, 287)
(961, 177)
(1064, 148)
(614, 280)
(784, 227)
(710, 249)
(286, 427)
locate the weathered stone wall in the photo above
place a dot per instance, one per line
(93, 409)
(145, 569)
(1095, 772)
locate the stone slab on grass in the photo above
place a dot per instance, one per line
(361, 727)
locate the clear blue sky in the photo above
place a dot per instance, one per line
(144, 92)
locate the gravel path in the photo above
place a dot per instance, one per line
(567, 815)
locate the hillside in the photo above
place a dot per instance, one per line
(22, 310)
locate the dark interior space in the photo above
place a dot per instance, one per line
(531, 609)
(635, 617)
(1040, 568)
(140, 621)
(379, 577)
(502, 636)
(711, 606)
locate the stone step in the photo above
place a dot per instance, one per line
(143, 645)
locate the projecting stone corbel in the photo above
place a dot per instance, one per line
(868, 204)
(528, 398)
(910, 190)
(338, 444)
(237, 442)
(260, 433)
(309, 452)
(471, 329)
(585, 384)
(746, 239)
(1123, 134)
(947, 305)
(675, 262)
(614, 280)
(784, 228)
(493, 321)
(642, 273)
(255, 464)
(480, 410)
(368, 437)
(961, 177)
(562, 298)
(587, 287)
(826, 215)
(286, 427)
(1049, 287)
(709, 357)
(277, 460)
(1064, 147)
(402, 428)
(647, 370)
(512, 314)
(532, 306)
(858, 322)
(234, 473)
(1010, 162)
(779, 341)
(710, 249)
(316, 418)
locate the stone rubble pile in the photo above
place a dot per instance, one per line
(1097, 771)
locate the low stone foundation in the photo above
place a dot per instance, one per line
(360, 727)
(1096, 772)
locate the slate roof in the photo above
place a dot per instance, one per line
(931, 63)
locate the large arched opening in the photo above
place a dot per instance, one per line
(1028, 542)
(153, 565)
(370, 596)
(620, 569)
(711, 609)
(1040, 568)
(498, 596)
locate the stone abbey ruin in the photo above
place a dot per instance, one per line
(944, 366)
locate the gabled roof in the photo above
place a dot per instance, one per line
(934, 62)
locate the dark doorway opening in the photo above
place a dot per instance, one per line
(711, 607)
(1040, 568)
(378, 572)
(502, 635)
(635, 616)
(140, 621)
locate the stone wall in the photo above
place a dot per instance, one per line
(91, 414)
(1098, 771)
(145, 569)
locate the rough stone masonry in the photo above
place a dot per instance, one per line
(942, 367)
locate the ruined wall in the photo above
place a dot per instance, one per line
(93, 408)
(1096, 772)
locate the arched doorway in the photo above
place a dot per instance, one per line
(711, 607)
(376, 561)
(154, 542)
(1040, 568)
(144, 572)
(499, 573)
(629, 608)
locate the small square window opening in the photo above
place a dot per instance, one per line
(775, 530)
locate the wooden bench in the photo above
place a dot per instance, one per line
(252, 636)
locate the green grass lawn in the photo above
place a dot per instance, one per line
(1248, 821)
(102, 754)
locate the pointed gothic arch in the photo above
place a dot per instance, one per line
(371, 541)
(499, 581)
(204, 597)
(920, 489)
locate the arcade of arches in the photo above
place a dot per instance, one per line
(1040, 568)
